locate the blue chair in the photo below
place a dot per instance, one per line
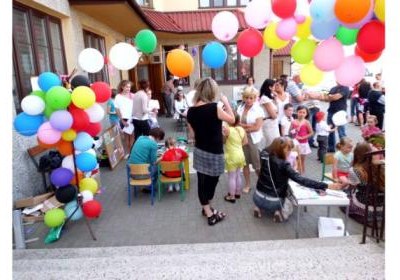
(139, 176)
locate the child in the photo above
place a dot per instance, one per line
(301, 130)
(112, 113)
(293, 156)
(234, 158)
(172, 153)
(286, 120)
(370, 128)
(343, 159)
(322, 132)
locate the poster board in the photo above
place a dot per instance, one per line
(112, 143)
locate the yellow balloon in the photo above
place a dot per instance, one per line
(311, 75)
(83, 97)
(271, 39)
(68, 135)
(304, 29)
(380, 9)
(89, 184)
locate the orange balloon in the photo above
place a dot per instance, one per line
(46, 146)
(180, 63)
(351, 11)
(80, 177)
(64, 147)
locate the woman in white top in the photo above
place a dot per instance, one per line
(270, 126)
(180, 105)
(251, 119)
(281, 97)
(140, 110)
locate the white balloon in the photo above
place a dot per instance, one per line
(95, 113)
(225, 26)
(32, 105)
(91, 60)
(68, 162)
(123, 56)
(258, 13)
(86, 196)
(339, 118)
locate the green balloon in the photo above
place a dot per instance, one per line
(39, 93)
(54, 217)
(346, 35)
(58, 98)
(146, 41)
(48, 111)
(303, 51)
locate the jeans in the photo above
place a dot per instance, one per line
(353, 105)
(268, 206)
(332, 137)
(322, 146)
(168, 104)
(313, 121)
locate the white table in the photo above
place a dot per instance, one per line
(300, 196)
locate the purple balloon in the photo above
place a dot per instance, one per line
(61, 176)
(61, 120)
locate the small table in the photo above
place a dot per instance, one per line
(316, 200)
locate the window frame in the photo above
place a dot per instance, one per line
(100, 43)
(211, 4)
(149, 5)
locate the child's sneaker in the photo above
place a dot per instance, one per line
(177, 187)
(170, 188)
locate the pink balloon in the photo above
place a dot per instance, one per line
(329, 54)
(299, 19)
(47, 134)
(225, 26)
(257, 13)
(351, 71)
(286, 28)
(367, 18)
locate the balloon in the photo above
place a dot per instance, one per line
(83, 142)
(88, 184)
(81, 119)
(91, 60)
(250, 42)
(180, 63)
(80, 177)
(68, 162)
(39, 93)
(324, 29)
(371, 37)
(257, 13)
(68, 135)
(47, 80)
(86, 196)
(32, 105)
(367, 57)
(214, 55)
(28, 125)
(93, 129)
(303, 50)
(311, 75)
(61, 120)
(225, 26)
(86, 162)
(286, 28)
(304, 29)
(146, 41)
(58, 98)
(64, 147)
(123, 56)
(65, 194)
(95, 113)
(79, 80)
(72, 207)
(351, 71)
(271, 39)
(284, 8)
(46, 146)
(351, 11)
(346, 35)
(48, 111)
(339, 118)
(328, 55)
(102, 91)
(83, 97)
(61, 176)
(380, 9)
(299, 19)
(92, 209)
(322, 10)
(366, 18)
(47, 134)
(54, 217)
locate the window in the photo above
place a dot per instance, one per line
(97, 42)
(37, 47)
(235, 71)
(145, 3)
(222, 3)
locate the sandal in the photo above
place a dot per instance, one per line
(229, 199)
(246, 189)
(216, 218)
(278, 218)
(257, 214)
(237, 196)
(204, 213)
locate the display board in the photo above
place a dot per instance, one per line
(113, 145)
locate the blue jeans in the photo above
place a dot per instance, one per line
(353, 105)
(268, 206)
(332, 137)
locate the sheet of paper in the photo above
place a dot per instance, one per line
(129, 129)
(154, 104)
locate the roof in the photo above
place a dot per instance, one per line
(284, 51)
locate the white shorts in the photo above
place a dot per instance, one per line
(304, 148)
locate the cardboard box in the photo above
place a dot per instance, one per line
(330, 227)
(51, 203)
(32, 201)
(29, 219)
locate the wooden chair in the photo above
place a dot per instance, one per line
(328, 160)
(139, 176)
(165, 166)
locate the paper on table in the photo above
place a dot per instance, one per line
(129, 129)
(301, 192)
(336, 193)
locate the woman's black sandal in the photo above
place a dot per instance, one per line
(229, 199)
(204, 213)
(216, 217)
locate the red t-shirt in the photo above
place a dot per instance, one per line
(174, 154)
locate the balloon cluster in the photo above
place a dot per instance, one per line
(67, 121)
(319, 38)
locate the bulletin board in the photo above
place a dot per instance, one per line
(112, 142)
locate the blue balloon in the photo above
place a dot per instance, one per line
(214, 55)
(86, 162)
(28, 125)
(83, 141)
(323, 30)
(70, 207)
(61, 176)
(322, 10)
(47, 80)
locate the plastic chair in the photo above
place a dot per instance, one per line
(165, 166)
(139, 176)
(328, 160)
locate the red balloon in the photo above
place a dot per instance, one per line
(284, 8)
(102, 91)
(93, 129)
(250, 42)
(92, 209)
(371, 37)
(80, 119)
(367, 57)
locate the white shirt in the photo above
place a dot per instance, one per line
(322, 129)
(189, 97)
(285, 122)
(124, 104)
(253, 114)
